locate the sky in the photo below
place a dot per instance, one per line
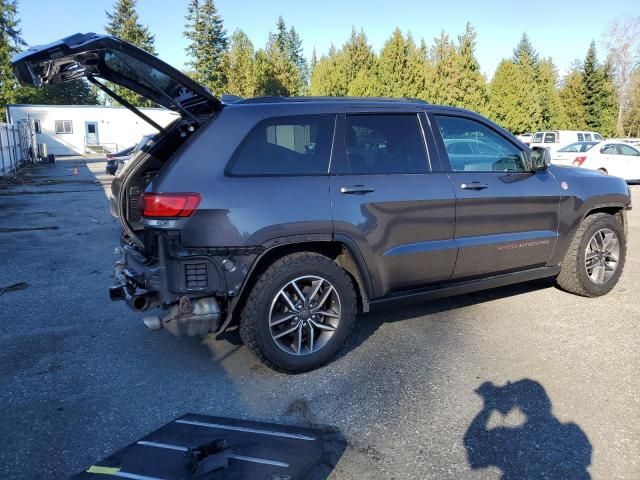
(561, 30)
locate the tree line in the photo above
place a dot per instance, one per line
(524, 94)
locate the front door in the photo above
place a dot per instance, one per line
(506, 215)
(388, 202)
(91, 133)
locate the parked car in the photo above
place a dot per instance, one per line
(612, 158)
(287, 216)
(121, 161)
(525, 138)
(112, 159)
(567, 154)
(555, 139)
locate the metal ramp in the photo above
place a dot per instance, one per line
(254, 450)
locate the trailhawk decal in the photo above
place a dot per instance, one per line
(527, 244)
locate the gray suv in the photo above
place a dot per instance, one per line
(286, 216)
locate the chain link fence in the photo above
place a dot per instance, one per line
(16, 146)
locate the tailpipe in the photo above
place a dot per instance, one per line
(153, 322)
(189, 318)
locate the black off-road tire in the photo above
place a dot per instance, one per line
(573, 277)
(254, 319)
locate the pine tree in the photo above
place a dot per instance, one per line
(239, 66)
(75, 92)
(600, 102)
(208, 42)
(511, 102)
(524, 53)
(445, 74)
(572, 97)
(275, 73)
(471, 90)
(10, 43)
(358, 56)
(124, 24)
(328, 78)
(553, 116)
(281, 35)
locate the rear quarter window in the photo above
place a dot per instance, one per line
(297, 145)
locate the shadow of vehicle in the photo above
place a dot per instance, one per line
(540, 447)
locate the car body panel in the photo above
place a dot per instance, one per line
(608, 157)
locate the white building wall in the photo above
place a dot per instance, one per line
(118, 127)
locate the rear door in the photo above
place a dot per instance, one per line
(631, 159)
(610, 160)
(506, 215)
(93, 57)
(389, 198)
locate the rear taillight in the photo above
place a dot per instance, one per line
(558, 137)
(579, 161)
(163, 205)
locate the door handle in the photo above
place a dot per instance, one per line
(474, 186)
(356, 190)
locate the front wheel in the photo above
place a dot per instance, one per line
(299, 312)
(593, 264)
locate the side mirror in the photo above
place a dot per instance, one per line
(540, 159)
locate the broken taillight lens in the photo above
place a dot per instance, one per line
(163, 205)
(579, 161)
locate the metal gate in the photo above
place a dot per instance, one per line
(16, 146)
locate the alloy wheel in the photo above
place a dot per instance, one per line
(601, 257)
(304, 315)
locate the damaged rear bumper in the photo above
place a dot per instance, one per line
(194, 287)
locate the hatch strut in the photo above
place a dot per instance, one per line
(121, 100)
(161, 91)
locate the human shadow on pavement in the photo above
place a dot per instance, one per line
(540, 447)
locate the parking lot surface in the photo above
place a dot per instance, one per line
(82, 376)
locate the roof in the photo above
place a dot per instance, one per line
(341, 100)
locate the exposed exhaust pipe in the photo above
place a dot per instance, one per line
(152, 322)
(188, 318)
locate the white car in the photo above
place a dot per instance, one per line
(555, 139)
(567, 154)
(612, 158)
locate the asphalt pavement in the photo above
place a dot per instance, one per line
(81, 376)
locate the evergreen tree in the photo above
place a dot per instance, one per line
(600, 102)
(208, 42)
(572, 96)
(281, 35)
(512, 104)
(239, 66)
(358, 56)
(124, 23)
(445, 75)
(75, 92)
(275, 74)
(524, 53)
(553, 116)
(329, 77)
(471, 89)
(296, 56)
(314, 59)
(10, 43)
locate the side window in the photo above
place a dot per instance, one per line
(597, 136)
(609, 150)
(474, 147)
(537, 138)
(36, 126)
(627, 150)
(549, 137)
(298, 145)
(385, 143)
(587, 137)
(580, 137)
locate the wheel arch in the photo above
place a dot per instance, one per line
(342, 251)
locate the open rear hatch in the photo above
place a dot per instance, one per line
(102, 58)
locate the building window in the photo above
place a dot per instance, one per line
(64, 126)
(36, 126)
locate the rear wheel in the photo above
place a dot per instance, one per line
(299, 312)
(593, 264)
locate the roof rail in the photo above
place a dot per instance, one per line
(281, 99)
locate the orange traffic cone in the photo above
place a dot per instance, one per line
(75, 170)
